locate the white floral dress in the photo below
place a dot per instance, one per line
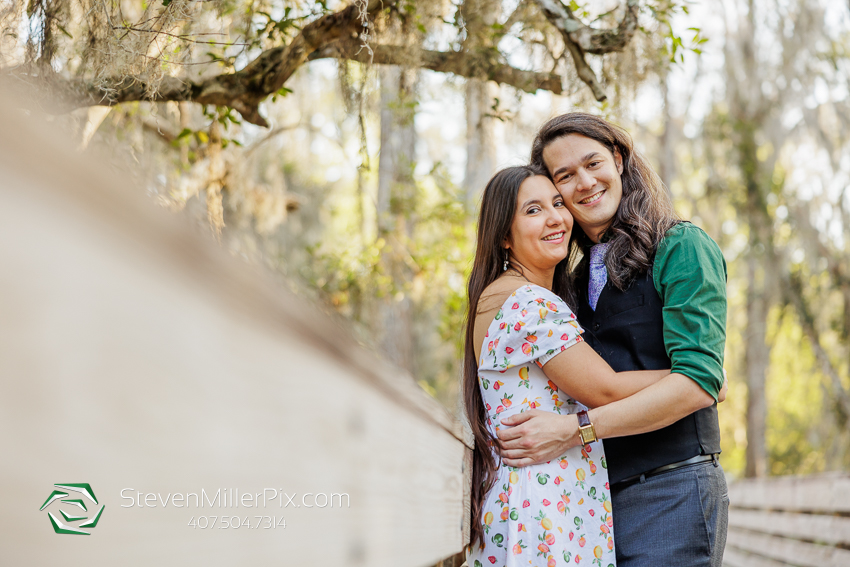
(557, 513)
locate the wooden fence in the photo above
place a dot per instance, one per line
(800, 521)
(139, 357)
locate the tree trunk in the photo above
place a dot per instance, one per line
(749, 115)
(215, 208)
(479, 17)
(480, 140)
(396, 192)
(757, 357)
(757, 360)
(667, 154)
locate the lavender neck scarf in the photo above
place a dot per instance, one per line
(598, 273)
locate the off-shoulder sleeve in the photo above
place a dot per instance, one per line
(535, 326)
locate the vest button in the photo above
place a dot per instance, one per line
(596, 326)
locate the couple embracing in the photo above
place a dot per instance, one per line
(594, 314)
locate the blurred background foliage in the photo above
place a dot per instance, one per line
(345, 146)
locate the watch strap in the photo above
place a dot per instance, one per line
(586, 431)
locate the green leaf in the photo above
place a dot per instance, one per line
(64, 31)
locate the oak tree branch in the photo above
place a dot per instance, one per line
(337, 35)
(581, 39)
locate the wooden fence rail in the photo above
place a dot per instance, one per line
(799, 521)
(139, 357)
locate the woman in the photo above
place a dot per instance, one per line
(558, 512)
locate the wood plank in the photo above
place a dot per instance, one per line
(734, 557)
(829, 492)
(467, 495)
(790, 551)
(830, 530)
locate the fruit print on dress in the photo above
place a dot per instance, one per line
(549, 514)
(528, 346)
(523, 378)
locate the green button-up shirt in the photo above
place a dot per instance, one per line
(690, 277)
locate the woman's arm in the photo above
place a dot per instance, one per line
(582, 374)
(538, 436)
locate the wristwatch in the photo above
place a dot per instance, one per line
(585, 428)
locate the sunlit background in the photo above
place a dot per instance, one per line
(742, 106)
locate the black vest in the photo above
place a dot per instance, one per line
(626, 331)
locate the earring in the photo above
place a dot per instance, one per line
(505, 265)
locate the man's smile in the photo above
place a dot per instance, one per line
(593, 198)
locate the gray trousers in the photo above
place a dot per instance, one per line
(675, 519)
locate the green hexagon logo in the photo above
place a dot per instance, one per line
(73, 494)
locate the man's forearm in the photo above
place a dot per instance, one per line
(665, 402)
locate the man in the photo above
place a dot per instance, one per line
(651, 294)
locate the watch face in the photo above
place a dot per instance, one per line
(588, 434)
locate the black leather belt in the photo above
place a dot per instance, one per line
(666, 468)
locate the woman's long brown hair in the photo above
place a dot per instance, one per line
(498, 206)
(646, 210)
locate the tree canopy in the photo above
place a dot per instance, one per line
(237, 53)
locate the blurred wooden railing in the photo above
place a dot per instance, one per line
(136, 353)
(800, 521)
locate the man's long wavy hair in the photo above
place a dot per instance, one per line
(645, 213)
(498, 207)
